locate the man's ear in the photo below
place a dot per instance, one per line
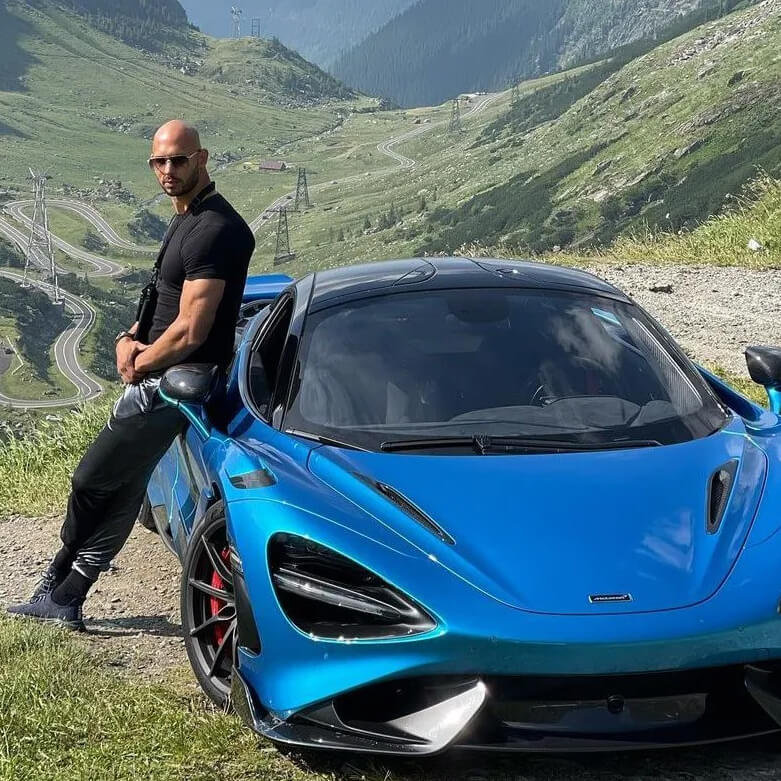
(204, 157)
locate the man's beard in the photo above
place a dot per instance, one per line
(184, 187)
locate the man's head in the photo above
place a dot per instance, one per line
(177, 159)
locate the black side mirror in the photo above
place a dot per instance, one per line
(193, 383)
(764, 366)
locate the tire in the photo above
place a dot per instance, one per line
(145, 517)
(209, 608)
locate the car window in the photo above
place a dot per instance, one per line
(499, 362)
(264, 361)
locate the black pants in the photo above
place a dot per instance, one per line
(109, 484)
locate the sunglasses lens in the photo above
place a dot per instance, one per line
(160, 162)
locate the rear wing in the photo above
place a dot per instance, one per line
(265, 287)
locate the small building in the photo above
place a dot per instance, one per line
(273, 165)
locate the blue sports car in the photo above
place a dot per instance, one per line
(478, 504)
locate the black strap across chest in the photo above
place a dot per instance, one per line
(207, 192)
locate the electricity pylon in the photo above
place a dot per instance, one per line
(256, 27)
(302, 191)
(455, 118)
(283, 253)
(236, 17)
(39, 246)
(516, 97)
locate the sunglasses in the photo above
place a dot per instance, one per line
(177, 161)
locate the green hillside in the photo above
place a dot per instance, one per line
(439, 48)
(656, 142)
(149, 24)
(83, 104)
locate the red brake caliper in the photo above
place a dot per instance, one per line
(216, 604)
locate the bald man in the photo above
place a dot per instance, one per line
(197, 288)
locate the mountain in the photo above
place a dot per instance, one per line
(437, 49)
(148, 23)
(76, 98)
(655, 139)
(319, 29)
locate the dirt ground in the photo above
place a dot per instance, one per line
(132, 614)
(714, 313)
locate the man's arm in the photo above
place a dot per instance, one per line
(126, 350)
(197, 309)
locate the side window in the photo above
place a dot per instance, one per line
(264, 363)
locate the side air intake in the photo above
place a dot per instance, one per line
(407, 507)
(718, 494)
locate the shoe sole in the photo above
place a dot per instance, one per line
(73, 626)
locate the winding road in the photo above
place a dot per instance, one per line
(386, 148)
(103, 267)
(67, 346)
(66, 350)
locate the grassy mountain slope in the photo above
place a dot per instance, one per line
(659, 143)
(79, 102)
(319, 29)
(438, 48)
(150, 24)
(278, 73)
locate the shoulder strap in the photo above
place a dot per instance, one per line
(208, 192)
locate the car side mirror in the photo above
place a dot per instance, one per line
(764, 366)
(188, 387)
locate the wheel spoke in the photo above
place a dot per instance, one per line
(221, 649)
(220, 567)
(212, 591)
(226, 614)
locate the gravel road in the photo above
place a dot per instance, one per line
(714, 313)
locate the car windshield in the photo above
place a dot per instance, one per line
(441, 365)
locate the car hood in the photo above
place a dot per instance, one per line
(569, 533)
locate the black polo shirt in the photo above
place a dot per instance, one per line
(209, 241)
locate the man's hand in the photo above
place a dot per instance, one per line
(127, 350)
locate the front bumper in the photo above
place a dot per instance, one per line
(426, 716)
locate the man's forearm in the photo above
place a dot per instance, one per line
(174, 345)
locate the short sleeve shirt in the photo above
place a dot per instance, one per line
(210, 241)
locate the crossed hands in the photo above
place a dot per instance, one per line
(127, 350)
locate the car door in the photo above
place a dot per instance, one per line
(191, 488)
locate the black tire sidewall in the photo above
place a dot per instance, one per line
(145, 516)
(214, 516)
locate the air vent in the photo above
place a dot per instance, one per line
(406, 506)
(718, 495)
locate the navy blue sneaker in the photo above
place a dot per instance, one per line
(49, 581)
(44, 608)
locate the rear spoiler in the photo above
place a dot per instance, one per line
(265, 287)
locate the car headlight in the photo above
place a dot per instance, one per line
(329, 596)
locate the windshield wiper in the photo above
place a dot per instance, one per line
(484, 444)
(434, 443)
(328, 441)
(488, 444)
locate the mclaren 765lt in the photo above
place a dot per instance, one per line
(479, 504)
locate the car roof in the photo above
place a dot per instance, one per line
(447, 273)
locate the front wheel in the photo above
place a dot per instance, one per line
(209, 606)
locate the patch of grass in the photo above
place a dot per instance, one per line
(35, 470)
(741, 384)
(723, 240)
(64, 715)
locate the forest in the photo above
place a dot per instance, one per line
(440, 48)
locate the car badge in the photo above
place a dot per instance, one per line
(598, 599)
